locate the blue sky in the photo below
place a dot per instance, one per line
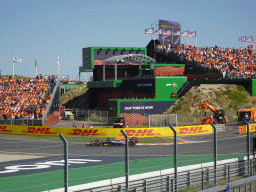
(47, 28)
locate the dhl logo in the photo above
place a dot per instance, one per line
(39, 130)
(3, 130)
(140, 132)
(252, 127)
(191, 130)
(86, 132)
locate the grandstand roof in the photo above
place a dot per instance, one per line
(135, 57)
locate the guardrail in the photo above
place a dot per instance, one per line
(186, 179)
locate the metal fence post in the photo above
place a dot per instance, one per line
(248, 145)
(202, 179)
(189, 179)
(66, 162)
(172, 185)
(176, 121)
(228, 174)
(168, 183)
(100, 118)
(145, 183)
(175, 158)
(149, 120)
(127, 158)
(215, 153)
(88, 114)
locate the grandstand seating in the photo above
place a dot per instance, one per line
(230, 62)
(23, 98)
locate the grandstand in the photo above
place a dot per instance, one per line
(27, 101)
(126, 88)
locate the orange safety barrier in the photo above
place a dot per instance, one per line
(243, 129)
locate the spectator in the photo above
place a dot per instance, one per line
(84, 125)
(246, 117)
(74, 125)
(22, 98)
(90, 126)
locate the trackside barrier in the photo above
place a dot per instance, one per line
(242, 129)
(163, 180)
(105, 132)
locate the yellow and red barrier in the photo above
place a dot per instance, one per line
(105, 132)
(243, 129)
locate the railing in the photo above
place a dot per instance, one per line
(48, 108)
(186, 179)
(91, 115)
(180, 86)
(36, 122)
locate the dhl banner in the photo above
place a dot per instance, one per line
(105, 132)
(243, 129)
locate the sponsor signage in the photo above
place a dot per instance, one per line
(106, 132)
(173, 84)
(157, 107)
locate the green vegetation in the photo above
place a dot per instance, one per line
(230, 98)
(72, 96)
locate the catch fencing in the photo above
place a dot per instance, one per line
(91, 115)
(162, 120)
(155, 163)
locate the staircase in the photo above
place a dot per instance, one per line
(82, 102)
(187, 87)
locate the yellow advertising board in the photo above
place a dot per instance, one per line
(243, 129)
(105, 132)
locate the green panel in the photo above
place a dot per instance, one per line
(166, 86)
(87, 58)
(145, 100)
(253, 87)
(88, 54)
(121, 48)
(81, 69)
(174, 65)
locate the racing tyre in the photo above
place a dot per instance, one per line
(97, 143)
(131, 143)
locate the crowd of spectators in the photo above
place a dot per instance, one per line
(237, 62)
(24, 98)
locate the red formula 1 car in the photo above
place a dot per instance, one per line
(112, 142)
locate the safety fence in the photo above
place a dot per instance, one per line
(91, 115)
(162, 120)
(132, 160)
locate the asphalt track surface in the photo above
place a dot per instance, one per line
(229, 142)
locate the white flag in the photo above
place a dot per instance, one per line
(149, 31)
(176, 33)
(249, 39)
(167, 32)
(242, 39)
(184, 34)
(16, 59)
(158, 32)
(192, 34)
